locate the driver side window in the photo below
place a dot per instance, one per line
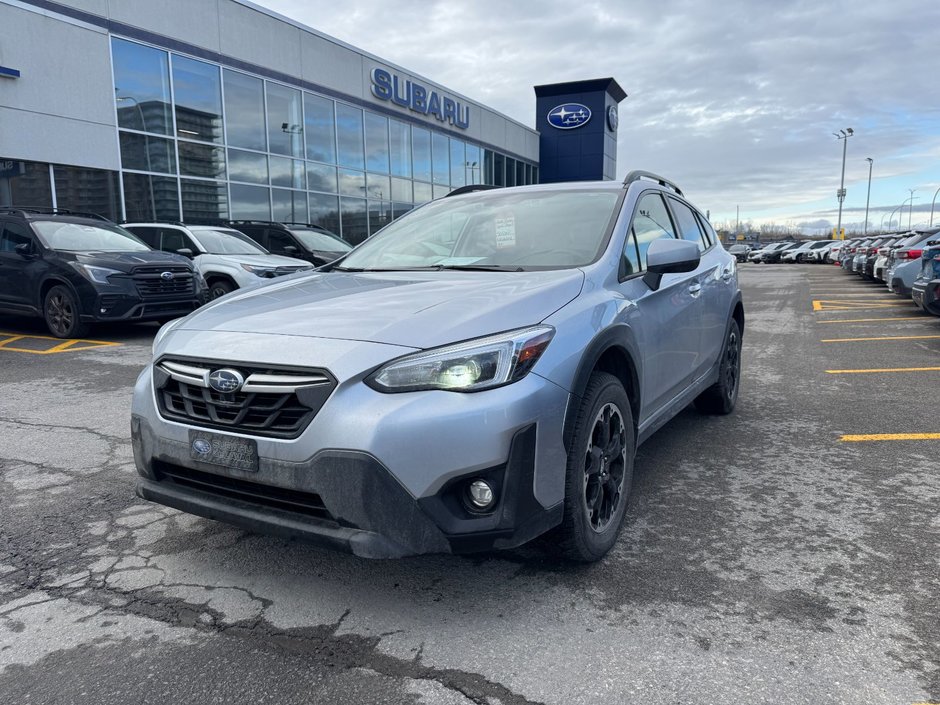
(651, 222)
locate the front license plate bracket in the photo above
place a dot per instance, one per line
(224, 451)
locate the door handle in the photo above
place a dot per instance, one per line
(726, 274)
(695, 288)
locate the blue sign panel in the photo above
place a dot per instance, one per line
(417, 98)
(569, 116)
(7, 72)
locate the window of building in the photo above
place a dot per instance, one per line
(197, 96)
(474, 171)
(688, 224)
(285, 120)
(511, 172)
(319, 128)
(90, 190)
(352, 183)
(488, 167)
(244, 111)
(423, 192)
(380, 215)
(24, 183)
(402, 190)
(321, 177)
(250, 202)
(651, 222)
(440, 153)
(399, 209)
(289, 173)
(141, 87)
(324, 211)
(378, 186)
(149, 197)
(288, 206)
(354, 219)
(399, 148)
(421, 151)
(350, 150)
(203, 201)
(247, 166)
(376, 128)
(147, 153)
(201, 160)
(499, 167)
(520, 173)
(458, 163)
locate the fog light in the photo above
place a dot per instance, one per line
(480, 494)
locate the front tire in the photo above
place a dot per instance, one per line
(721, 397)
(599, 472)
(60, 309)
(220, 287)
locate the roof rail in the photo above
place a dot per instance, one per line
(636, 175)
(254, 222)
(152, 222)
(46, 210)
(303, 225)
(471, 188)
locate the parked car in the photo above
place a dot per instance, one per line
(867, 256)
(905, 262)
(881, 260)
(757, 256)
(926, 288)
(74, 269)
(773, 256)
(226, 258)
(740, 252)
(803, 253)
(302, 241)
(476, 374)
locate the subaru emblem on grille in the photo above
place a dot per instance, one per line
(226, 381)
(202, 446)
(166, 276)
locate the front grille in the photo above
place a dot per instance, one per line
(151, 284)
(295, 501)
(276, 403)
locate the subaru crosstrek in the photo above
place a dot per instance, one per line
(74, 269)
(478, 373)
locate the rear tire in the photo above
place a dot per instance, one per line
(721, 397)
(599, 472)
(60, 309)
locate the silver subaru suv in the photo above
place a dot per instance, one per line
(475, 375)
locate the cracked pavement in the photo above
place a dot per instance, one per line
(761, 560)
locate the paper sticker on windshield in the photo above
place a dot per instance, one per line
(505, 233)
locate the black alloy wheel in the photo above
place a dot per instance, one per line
(722, 396)
(219, 287)
(604, 465)
(61, 312)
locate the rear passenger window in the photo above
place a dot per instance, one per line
(174, 240)
(651, 221)
(151, 236)
(12, 236)
(710, 237)
(688, 224)
(278, 241)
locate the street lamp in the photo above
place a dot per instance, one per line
(868, 197)
(910, 213)
(932, 204)
(844, 136)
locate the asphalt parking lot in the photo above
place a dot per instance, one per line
(785, 554)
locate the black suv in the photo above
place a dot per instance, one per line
(301, 240)
(78, 268)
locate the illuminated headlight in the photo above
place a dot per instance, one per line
(259, 271)
(472, 366)
(99, 275)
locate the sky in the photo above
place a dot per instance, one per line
(736, 101)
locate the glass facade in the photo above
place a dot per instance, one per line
(202, 142)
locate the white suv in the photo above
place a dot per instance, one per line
(226, 258)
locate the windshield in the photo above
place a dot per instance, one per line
(492, 229)
(227, 242)
(321, 242)
(82, 237)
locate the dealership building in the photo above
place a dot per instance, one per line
(205, 110)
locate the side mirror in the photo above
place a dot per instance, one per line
(185, 251)
(24, 250)
(290, 249)
(668, 256)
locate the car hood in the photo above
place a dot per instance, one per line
(411, 309)
(128, 261)
(257, 260)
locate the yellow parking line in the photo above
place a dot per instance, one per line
(890, 437)
(869, 320)
(843, 305)
(884, 369)
(73, 344)
(11, 339)
(887, 337)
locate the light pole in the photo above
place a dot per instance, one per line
(891, 218)
(910, 213)
(932, 204)
(868, 197)
(900, 210)
(143, 123)
(844, 136)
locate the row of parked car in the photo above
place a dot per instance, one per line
(908, 263)
(789, 251)
(74, 269)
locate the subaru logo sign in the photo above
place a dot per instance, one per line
(202, 446)
(166, 276)
(226, 381)
(569, 116)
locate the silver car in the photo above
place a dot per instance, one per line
(478, 373)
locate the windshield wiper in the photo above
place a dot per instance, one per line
(479, 267)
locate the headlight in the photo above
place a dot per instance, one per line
(473, 366)
(98, 275)
(259, 271)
